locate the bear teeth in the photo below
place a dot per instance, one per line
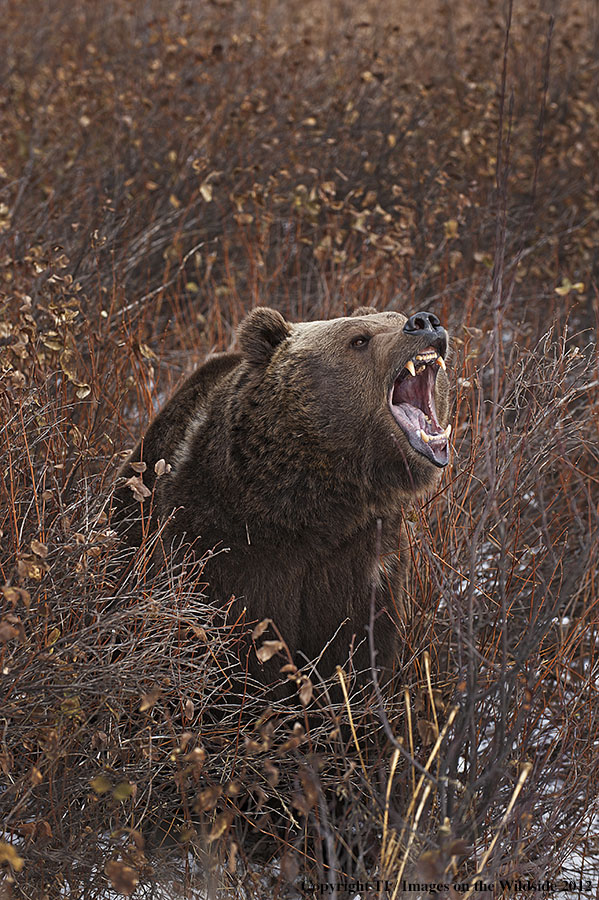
(427, 356)
(418, 364)
(443, 435)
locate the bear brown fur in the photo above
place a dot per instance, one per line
(287, 454)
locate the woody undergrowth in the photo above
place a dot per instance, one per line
(165, 171)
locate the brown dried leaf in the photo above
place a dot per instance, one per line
(39, 549)
(99, 740)
(306, 690)
(140, 491)
(272, 773)
(208, 798)
(31, 568)
(123, 878)
(289, 867)
(150, 699)
(432, 864)
(288, 669)
(11, 627)
(13, 595)
(427, 731)
(459, 847)
(52, 341)
(162, 467)
(199, 632)
(147, 352)
(37, 830)
(232, 863)
(222, 824)
(7, 632)
(138, 467)
(268, 650)
(67, 364)
(260, 628)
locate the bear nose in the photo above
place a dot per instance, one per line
(422, 322)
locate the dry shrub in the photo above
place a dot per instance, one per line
(168, 168)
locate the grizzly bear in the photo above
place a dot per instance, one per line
(295, 458)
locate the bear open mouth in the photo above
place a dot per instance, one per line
(412, 404)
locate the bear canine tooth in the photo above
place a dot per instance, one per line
(441, 362)
(424, 436)
(410, 367)
(447, 431)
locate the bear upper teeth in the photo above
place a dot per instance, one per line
(426, 356)
(422, 360)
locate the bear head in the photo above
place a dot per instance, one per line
(367, 394)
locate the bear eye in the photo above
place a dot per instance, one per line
(360, 341)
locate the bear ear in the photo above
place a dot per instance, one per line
(261, 332)
(364, 311)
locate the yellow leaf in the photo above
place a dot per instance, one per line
(67, 364)
(9, 855)
(53, 637)
(124, 791)
(206, 191)
(100, 784)
(451, 229)
(71, 707)
(147, 352)
(564, 288)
